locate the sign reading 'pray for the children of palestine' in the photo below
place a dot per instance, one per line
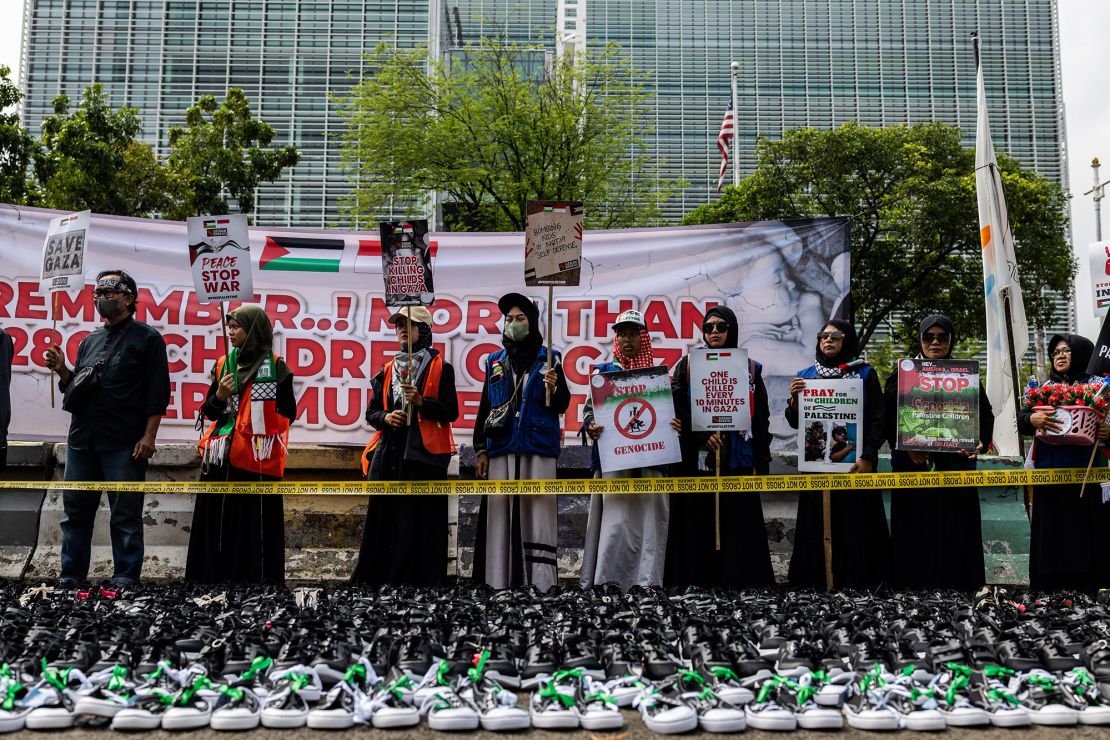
(407, 263)
(553, 243)
(636, 408)
(830, 425)
(220, 257)
(720, 393)
(938, 405)
(63, 252)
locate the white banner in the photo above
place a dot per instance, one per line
(323, 291)
(720, 398)
(220, 256)
(830, 425)
(1099, 255)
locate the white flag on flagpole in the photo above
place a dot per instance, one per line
(999, 272)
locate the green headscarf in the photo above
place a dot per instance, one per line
(258, 344)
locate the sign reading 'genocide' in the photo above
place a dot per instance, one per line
(636, 409)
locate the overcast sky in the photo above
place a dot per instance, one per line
(1084, 27)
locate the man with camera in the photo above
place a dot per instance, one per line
(117, 393)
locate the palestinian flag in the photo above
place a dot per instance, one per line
(369, 257)
(301, 254)
(714, 356)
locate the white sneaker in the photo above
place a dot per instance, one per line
(287, 704)
(1094, 709)
(145, 714)
(665, 713)
(551, 708)
(238, 708)
(951, 688)
(1043, 696)
(446, 711)
(765, 712)
(496, 706)
(344, 704)
(809, 714)
(109, 691)
(13, 709)
(192, 706)
(54, 699)
(626, 688)
(393, 703)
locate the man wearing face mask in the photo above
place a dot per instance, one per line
(517, 436)
(112, 434)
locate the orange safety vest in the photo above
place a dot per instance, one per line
(259, 453)
(435, 435)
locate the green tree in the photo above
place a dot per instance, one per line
(222, 149)
(910, 191)
(17, 147)
(493, 127)
(90, 158)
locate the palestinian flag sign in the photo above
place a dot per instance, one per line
(301, 254)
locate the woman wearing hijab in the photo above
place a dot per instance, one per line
(860, 539)
(744, 559)
(241, 537)
(404, 540)
(1067, 542)
(626, 534)
(517, 436)
(936, 533)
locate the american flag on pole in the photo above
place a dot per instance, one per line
(724, 139)
(999, 273)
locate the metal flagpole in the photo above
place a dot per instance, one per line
(1096, 195)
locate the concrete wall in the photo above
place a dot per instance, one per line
(323, 533)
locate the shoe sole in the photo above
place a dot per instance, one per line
(185, 723)
(384, 720)
(55, 720)
(96, 707)
(1010, 719)
(787, 723)
(686, 724)
(283, 721)
(554, 720)
(128, 722)
(12, 724)
(1054, 720)
(505, 724)
(830, 722)
(328, 719)
(453, 724)
(723, 725)
(970, 720)
(877, 724)
(234, 723)
(603, 720)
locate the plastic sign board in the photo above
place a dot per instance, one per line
(220, 257)
(830, 425)
(636, 409)
(407, 263)
(938, 405)
(720, 390)
(63, 252)
(553, 243)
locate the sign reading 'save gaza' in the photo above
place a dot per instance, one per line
(720, 390)
(938, 405)
(63, 252)
(635, 408)
(830, 425)
(220, 257)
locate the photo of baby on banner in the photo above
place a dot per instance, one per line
(830, 415)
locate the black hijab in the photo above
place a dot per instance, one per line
(523, 353)
(724, 313)
(848, 350)
(1081, 351)
(944, 323)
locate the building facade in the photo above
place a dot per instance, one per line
(804, 63)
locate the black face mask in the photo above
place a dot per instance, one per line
(109, 308)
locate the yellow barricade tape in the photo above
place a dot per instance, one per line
(708, 484)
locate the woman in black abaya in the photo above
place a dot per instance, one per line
(937, 533)
(860, 538)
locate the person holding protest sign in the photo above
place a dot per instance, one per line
(241, 537)
(115, 412)
(936, 533)
(404, 540)
(626, 534)
(517, 436)
(860, 538)
(744, 559)
(1068, 532)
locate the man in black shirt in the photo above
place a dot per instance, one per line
(112, 435)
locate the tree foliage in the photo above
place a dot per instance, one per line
(223, 149)
(910, 191)
(493, 126)
(90, 158)
(17, 147)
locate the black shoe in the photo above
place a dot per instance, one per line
(66, 583)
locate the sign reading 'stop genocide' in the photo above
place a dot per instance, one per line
(720, 398)
(220, 257)
(553, 243)
(63, 253)
(407, 263)
(830, 425)
(938, 405)
(636, 409)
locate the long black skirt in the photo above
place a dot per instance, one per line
(1068, 539)
(236, 537)
(404, 540)
(860, 541)
(937, 536)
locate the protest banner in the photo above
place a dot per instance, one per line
(553, 243)
(830, 425)
(407, 263)
(63, 252)
(322, 289)
(720, 393)
(938, 405)
(1098, 254)
(636, 408)
(220, 257)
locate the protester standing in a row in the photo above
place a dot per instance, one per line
(241, 537)
(518, 436)
(113, 429)
(1068, 541)
(861, 540)
(936, 532)
(404, 540)
(626, 534)
(744, 559)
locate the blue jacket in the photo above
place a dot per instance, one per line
(536, 429)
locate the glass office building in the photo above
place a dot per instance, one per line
(804, 63)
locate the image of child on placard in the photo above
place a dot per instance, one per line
(815, 441)
(843, 448)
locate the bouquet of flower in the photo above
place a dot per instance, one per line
(1091, 395)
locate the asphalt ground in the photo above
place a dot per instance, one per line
(633, 730)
